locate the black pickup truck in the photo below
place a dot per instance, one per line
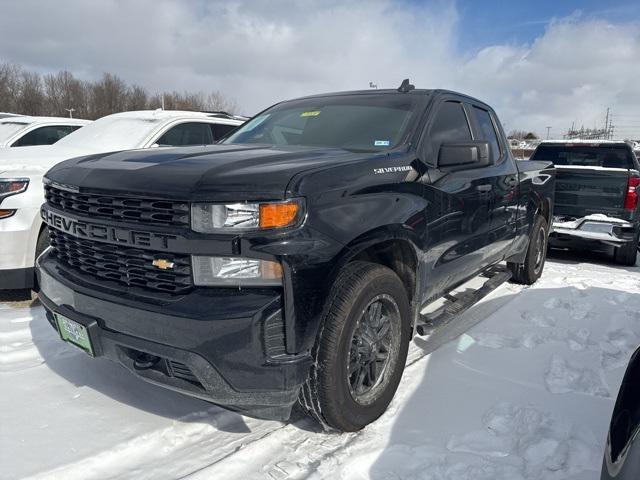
(597, 191)
(290, 263)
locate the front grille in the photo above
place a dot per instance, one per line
(120, 208)
(127, 266)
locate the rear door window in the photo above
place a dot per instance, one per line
(45, 135)
(186, 134)
(488, 132)
(603, 156)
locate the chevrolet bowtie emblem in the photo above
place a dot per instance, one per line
(163, 264)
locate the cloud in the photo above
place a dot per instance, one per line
(260, 52)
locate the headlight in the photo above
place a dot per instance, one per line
(226, 271)
(12, 186)
(239, 217)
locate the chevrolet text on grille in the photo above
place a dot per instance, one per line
(106, 233)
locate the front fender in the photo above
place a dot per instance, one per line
(622, 452)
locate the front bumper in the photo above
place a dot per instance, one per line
(18, 238)
(612, 232)
(214, 344)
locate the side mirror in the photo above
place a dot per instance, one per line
(467, 154)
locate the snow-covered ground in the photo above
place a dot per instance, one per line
(521, 387)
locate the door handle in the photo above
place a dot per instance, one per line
(484, 188)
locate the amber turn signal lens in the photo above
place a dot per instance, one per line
(270, 270)
(6, 213)
(277, 215)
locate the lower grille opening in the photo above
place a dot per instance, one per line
(182, 371)
(274, 336)
(170, 368)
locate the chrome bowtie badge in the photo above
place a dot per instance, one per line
(163, 264)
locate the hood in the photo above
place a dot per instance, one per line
(38, 158)
(216, 172)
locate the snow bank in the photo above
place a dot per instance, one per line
(519, 387)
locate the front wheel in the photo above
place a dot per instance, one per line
(528, 272)
(361, 349)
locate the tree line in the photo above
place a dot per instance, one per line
(522, 135)
(30, 93)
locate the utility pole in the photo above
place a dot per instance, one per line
(606, 125)
(548, 130)
(70, 110)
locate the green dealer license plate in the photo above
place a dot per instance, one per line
(74, 333)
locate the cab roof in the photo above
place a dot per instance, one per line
(394, 91)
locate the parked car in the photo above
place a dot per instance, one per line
(596, 195)
(292, 261)
(22, 234)
(23, 131)
(622, 451)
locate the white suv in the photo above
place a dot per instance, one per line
(23, 131)
(22, 234)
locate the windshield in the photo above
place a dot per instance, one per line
(112, 133)
(353, 122)
(8, 128)
(606, 156)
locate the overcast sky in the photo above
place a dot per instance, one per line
(543, 64)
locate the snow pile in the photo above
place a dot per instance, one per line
(520, 387)
(566, 377)
(537, 445)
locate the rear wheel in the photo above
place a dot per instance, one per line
(627, 254)
(361, 349)
(528, 272)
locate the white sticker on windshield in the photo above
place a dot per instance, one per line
(381, 143)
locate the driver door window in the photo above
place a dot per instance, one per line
(450, 126)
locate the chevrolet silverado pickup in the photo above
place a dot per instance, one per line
(290, 263)
(597, 192)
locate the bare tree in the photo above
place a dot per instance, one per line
(53, 94)
(31, 98)
(9, 87)
(107, 96)
(217, 102)
(137, 98)
(62, 92)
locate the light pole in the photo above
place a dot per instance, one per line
(70, 110)
(548, 130)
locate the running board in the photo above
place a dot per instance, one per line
(457, 303)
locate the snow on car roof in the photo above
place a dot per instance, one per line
(160, 114)
(129, 130)
(28, 120)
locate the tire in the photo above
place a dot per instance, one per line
(529, 272)
(627, 254)
(340, 392)
(41, 246)
(42, 243)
